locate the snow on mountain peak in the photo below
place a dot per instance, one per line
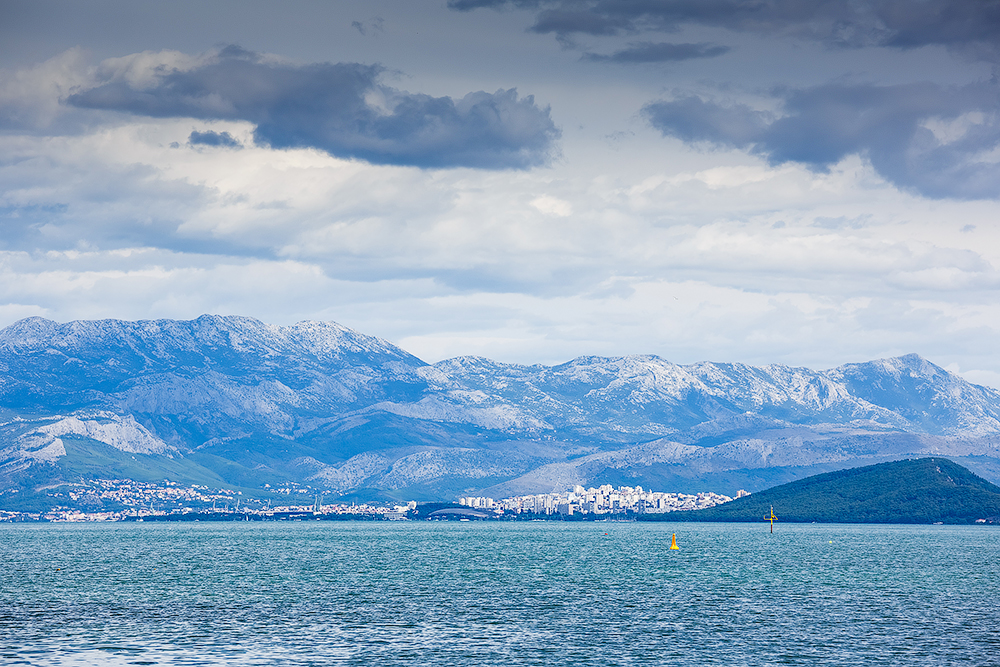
(320, 389)
(174, 340)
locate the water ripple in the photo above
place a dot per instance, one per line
(423, 594)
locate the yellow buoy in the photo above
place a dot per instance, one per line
(771, 518)
(673, 542)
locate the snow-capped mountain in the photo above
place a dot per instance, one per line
(237, 401)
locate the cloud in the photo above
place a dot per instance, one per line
(466, 5)
(693, 120)
(552, 206)
(342, 109)
(971, 26)
(567, 20)
(650, 52)
(210, 138)
(375, 26)
(932, 139)
(30, 98)
(537, 266)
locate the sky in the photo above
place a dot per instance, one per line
(802, 182)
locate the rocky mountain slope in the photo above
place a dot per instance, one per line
(231, 400)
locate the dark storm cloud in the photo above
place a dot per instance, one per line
(969, 25)
(210, 138)
(649, 52)
(466, 5)
(568, 20)
(922, 137)
(332, 107)
(693, 120)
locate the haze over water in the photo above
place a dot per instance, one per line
(498, 594)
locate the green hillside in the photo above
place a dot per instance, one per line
(927, 490)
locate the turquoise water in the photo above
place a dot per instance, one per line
(507, 594)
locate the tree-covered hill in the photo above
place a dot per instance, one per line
(926, 490)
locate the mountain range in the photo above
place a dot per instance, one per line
(234, 401)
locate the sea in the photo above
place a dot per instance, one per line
(505, 594)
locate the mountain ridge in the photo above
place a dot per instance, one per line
(239, 400)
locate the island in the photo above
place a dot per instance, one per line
(925, 490)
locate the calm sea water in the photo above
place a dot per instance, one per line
(502, 594)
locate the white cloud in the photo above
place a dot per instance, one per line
(642, 247)
(31, 98)
(950, 130)
(553, 206)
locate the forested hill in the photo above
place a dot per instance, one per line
(926, 490)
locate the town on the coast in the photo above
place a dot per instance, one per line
(128, 500)
(604, 499)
